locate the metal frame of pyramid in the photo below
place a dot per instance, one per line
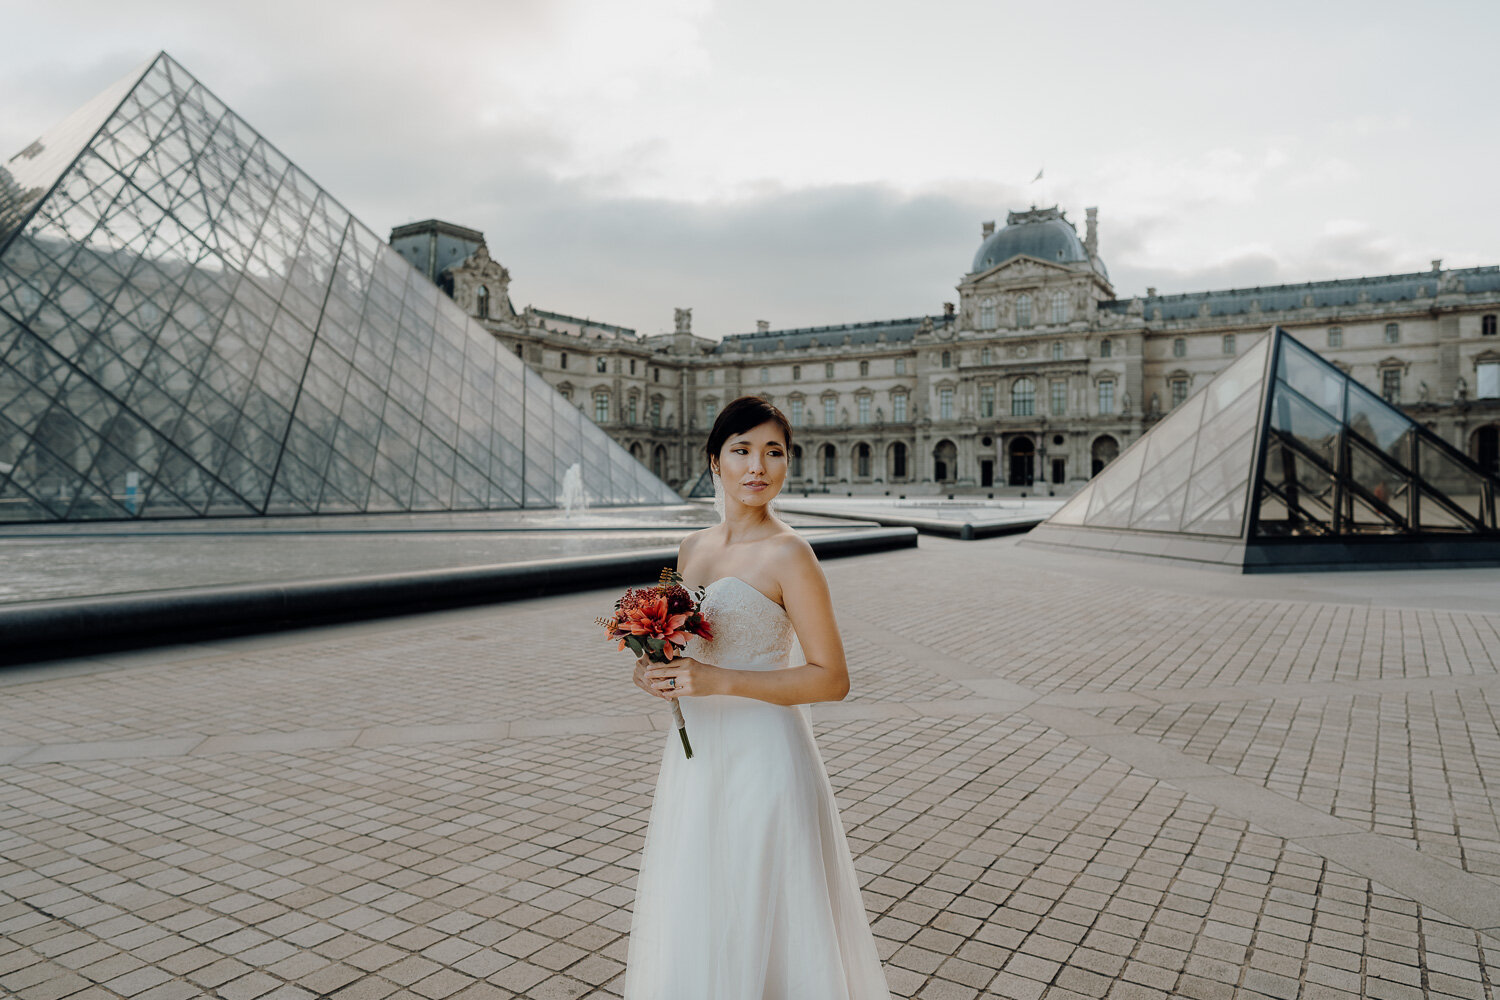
(191, 327)
(1284, 462)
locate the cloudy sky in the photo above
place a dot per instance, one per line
(823, 161)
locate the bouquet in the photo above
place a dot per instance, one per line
(658, 621)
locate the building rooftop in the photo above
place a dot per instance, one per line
(1314, 294)
(872, 332)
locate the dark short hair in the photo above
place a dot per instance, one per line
(741, 415)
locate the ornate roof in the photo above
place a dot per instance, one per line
(1044, 233)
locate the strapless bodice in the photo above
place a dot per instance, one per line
(751, 631)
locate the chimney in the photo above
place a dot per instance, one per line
(1150, 291)
(986, 230)
(1091, 232)
(1437, 265)
(762, 326)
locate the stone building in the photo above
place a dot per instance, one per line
(1034, 380)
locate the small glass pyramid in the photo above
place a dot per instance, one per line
(1282, 449)
(190, 327)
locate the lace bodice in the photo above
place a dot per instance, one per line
(751, 631)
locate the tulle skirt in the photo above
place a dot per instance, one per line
(747, 890)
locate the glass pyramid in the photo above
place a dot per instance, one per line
(189, 326)
(1282, 448)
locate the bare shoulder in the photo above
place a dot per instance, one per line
(794, 556)
(685, 547)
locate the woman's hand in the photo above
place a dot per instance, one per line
(680, 676)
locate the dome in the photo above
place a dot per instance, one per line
(1042, 233)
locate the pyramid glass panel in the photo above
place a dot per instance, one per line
(1326, 460)
(190, 326)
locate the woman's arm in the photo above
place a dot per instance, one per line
(825, 675)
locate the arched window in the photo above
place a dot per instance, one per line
(898, 461)
(947, 359)
(482, 303)
(945, 461)
(987, 314)
(1106, 348)
(830, 462)
(864, 368)
(1059, 307)
(1023, 310)
(862, 461)
(1022, 397)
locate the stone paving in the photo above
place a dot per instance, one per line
(1061, 777)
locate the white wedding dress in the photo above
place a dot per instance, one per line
(747, 890)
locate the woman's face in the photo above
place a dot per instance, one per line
(753, 465)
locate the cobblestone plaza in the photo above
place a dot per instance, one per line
(1056, 781)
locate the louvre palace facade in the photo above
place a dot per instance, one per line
(1034, 380)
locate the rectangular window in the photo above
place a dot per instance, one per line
(829, 415)
(601, 409)
(1179, 347)
(708, 378)
(656, 374)
(656, 413)
(1058, 350)
(945, 404)
(562, 360)
(632, 366)
(1179, 391)
(1390, 385)
(864, 409)
(708, 411)
(900, 366)
(796, 413)
(898, 408)
(1228, 345)
(986, 401)
(632, 411)
(1059, 401)
(1106, 397)
(1335, 336)
(1488, 382)
(796, 373)
(828, 370)
(1023, 398)
(1393, 333)
(1487, 325)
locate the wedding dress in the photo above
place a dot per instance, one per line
(747, 889)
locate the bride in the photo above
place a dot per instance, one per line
(747, 890)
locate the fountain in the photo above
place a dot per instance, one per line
(572, 490)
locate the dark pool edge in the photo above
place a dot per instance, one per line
(48, 630)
